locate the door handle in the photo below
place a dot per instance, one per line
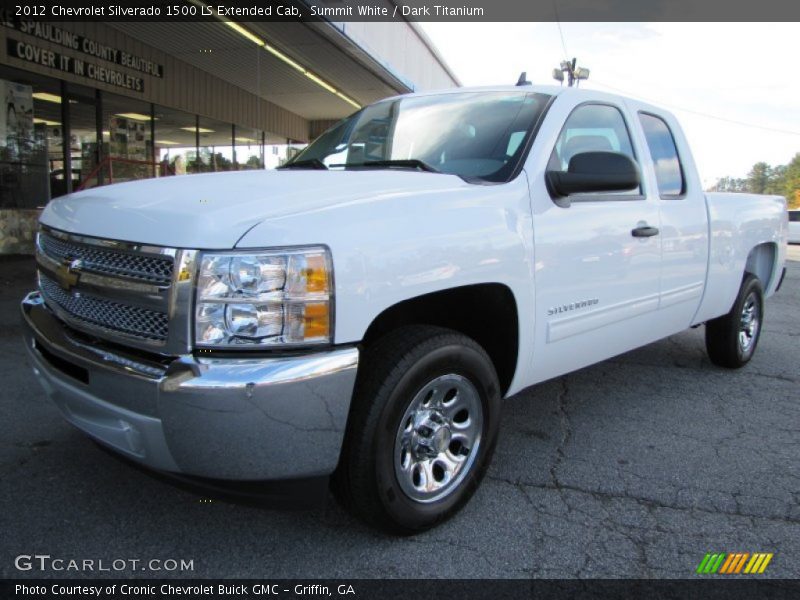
(644, 231)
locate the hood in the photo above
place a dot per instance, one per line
(214, 211)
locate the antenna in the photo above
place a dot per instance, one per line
(523, 79)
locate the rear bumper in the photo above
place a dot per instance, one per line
(222, 418)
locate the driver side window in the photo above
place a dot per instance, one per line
(592, 128)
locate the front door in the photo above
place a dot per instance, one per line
(597, 259)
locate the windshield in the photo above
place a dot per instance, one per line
(475, 135)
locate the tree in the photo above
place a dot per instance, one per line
(254, 162)
(758, 178)
(791, 185)
(777, 181)
(781, 180)
(220, 163)
(729, 184)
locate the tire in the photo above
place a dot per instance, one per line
(731, 339)
(422, 429)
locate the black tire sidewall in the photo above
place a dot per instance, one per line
(446, 359)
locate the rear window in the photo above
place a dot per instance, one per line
(664, 152)
(794, 216)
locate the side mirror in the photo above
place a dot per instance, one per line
(591, 172)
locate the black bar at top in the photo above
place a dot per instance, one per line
(405, 10)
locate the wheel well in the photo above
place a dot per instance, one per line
(485, 312)
(761, 263)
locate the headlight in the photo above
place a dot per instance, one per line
(269, 298)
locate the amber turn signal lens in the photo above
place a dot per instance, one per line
(316, 273)
(317, 321)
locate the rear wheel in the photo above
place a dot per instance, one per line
(421, 431)
(731, 339)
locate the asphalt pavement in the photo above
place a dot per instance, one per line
(634, 467)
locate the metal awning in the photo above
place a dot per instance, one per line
(229, 55)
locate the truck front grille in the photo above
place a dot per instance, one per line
(106, 314)
(95, 259)
(119, 291)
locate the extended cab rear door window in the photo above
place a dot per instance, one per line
(664, 152)
(594, 127)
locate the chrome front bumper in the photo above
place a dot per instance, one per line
(223, 418)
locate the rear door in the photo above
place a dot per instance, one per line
(684, 220)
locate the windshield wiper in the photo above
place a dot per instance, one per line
(311, 163)
(412, 163)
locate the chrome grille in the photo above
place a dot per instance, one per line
(109, 315)
(140, 267)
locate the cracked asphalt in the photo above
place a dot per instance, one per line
(635, 467)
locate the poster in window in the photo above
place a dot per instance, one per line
(137, 142)
(16, 119)
(118, 137)
(127, 138)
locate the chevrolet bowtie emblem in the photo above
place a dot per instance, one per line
(68, 274)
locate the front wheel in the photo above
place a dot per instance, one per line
(422, 429)
(731, 339)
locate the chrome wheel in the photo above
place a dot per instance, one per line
(438, 438)
(749, 323)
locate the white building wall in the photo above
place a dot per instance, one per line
(405, 51)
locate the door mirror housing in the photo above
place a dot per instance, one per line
(592, 172)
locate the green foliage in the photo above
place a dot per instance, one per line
(758, 177)
(777, 181)
(730, 184)
(781, 180)
(792, 182)
(254, 162)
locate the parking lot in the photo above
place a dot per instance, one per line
(635, 467)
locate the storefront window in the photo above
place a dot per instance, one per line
(216, 151)
(293, 148)
(24, 133)
(136, 140)
(59, 136)
(175, 141)
(249, 148)
(278, 151)
(82, 144)
(127, 153)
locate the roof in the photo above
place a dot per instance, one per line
(553, 90)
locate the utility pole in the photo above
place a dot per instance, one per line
(574, 73)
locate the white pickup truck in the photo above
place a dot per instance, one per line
(362, 311)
